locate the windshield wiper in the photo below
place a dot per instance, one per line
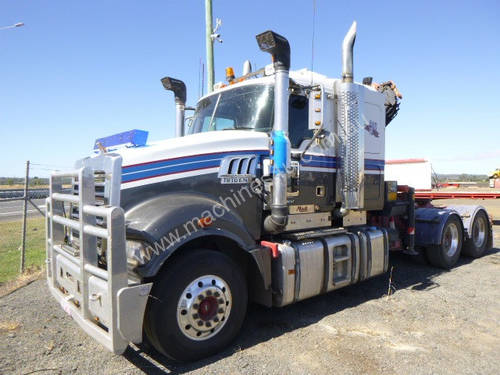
(241, 127)
(213, 114)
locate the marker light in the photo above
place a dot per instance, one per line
(229, 74)
(205, 222)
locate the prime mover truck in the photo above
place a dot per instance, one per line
(275, 194)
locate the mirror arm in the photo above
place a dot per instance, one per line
(314, 137)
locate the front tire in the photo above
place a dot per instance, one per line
(197, 307)
(446, 254)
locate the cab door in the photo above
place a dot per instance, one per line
(311, 185)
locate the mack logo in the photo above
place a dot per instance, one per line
(234, 180)
(301, 209)
(372, 128)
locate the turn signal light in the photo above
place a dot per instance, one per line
(205, 222)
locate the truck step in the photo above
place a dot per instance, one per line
(299, 236)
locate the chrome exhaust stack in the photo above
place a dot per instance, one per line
(347, 53)
(279, 48)
(179, 89)
(352, 150)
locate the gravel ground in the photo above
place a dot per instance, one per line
(435, 323)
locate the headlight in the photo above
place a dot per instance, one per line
(138, 253)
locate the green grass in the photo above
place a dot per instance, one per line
(10, 242)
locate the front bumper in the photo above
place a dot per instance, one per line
(104, 302)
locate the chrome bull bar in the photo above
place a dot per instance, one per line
(102, 300)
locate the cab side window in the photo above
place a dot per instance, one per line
(298, 117)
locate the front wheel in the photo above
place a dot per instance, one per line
(446, 254)
(197, 307)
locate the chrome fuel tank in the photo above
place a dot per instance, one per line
(314, 266)
(291, 271)
(373, 252)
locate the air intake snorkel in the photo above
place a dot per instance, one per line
(179, 89)
(279, 48)
(350, 131)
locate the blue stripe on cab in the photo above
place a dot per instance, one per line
(169, 169)
(318, 161)
(178, 165)
(203, 161)
(331, 162)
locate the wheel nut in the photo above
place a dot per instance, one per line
(221, 301)
(220, 311)
(209, 292)
(195, 306)
(216, 294)
(195, 316)
(207, 324)
(200, 323)
(216, 319)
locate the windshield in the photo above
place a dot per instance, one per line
(248, 107)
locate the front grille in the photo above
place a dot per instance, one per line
(101, 198)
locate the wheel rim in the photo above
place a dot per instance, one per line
(479, 232)
(451, 240)
(204, 307)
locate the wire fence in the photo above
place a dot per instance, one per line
(22, 220)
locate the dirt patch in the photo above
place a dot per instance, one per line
(9, 326)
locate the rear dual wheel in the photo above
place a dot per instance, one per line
(446, 254)
(477, 243)
(197, 307)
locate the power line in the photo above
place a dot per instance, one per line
(312, 39)
(51, 165)
(46, 169)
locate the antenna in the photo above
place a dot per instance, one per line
(202, 79)
(199, 78)
(216, 36)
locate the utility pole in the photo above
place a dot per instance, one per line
(209, 46)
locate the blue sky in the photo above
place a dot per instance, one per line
(78, 71)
